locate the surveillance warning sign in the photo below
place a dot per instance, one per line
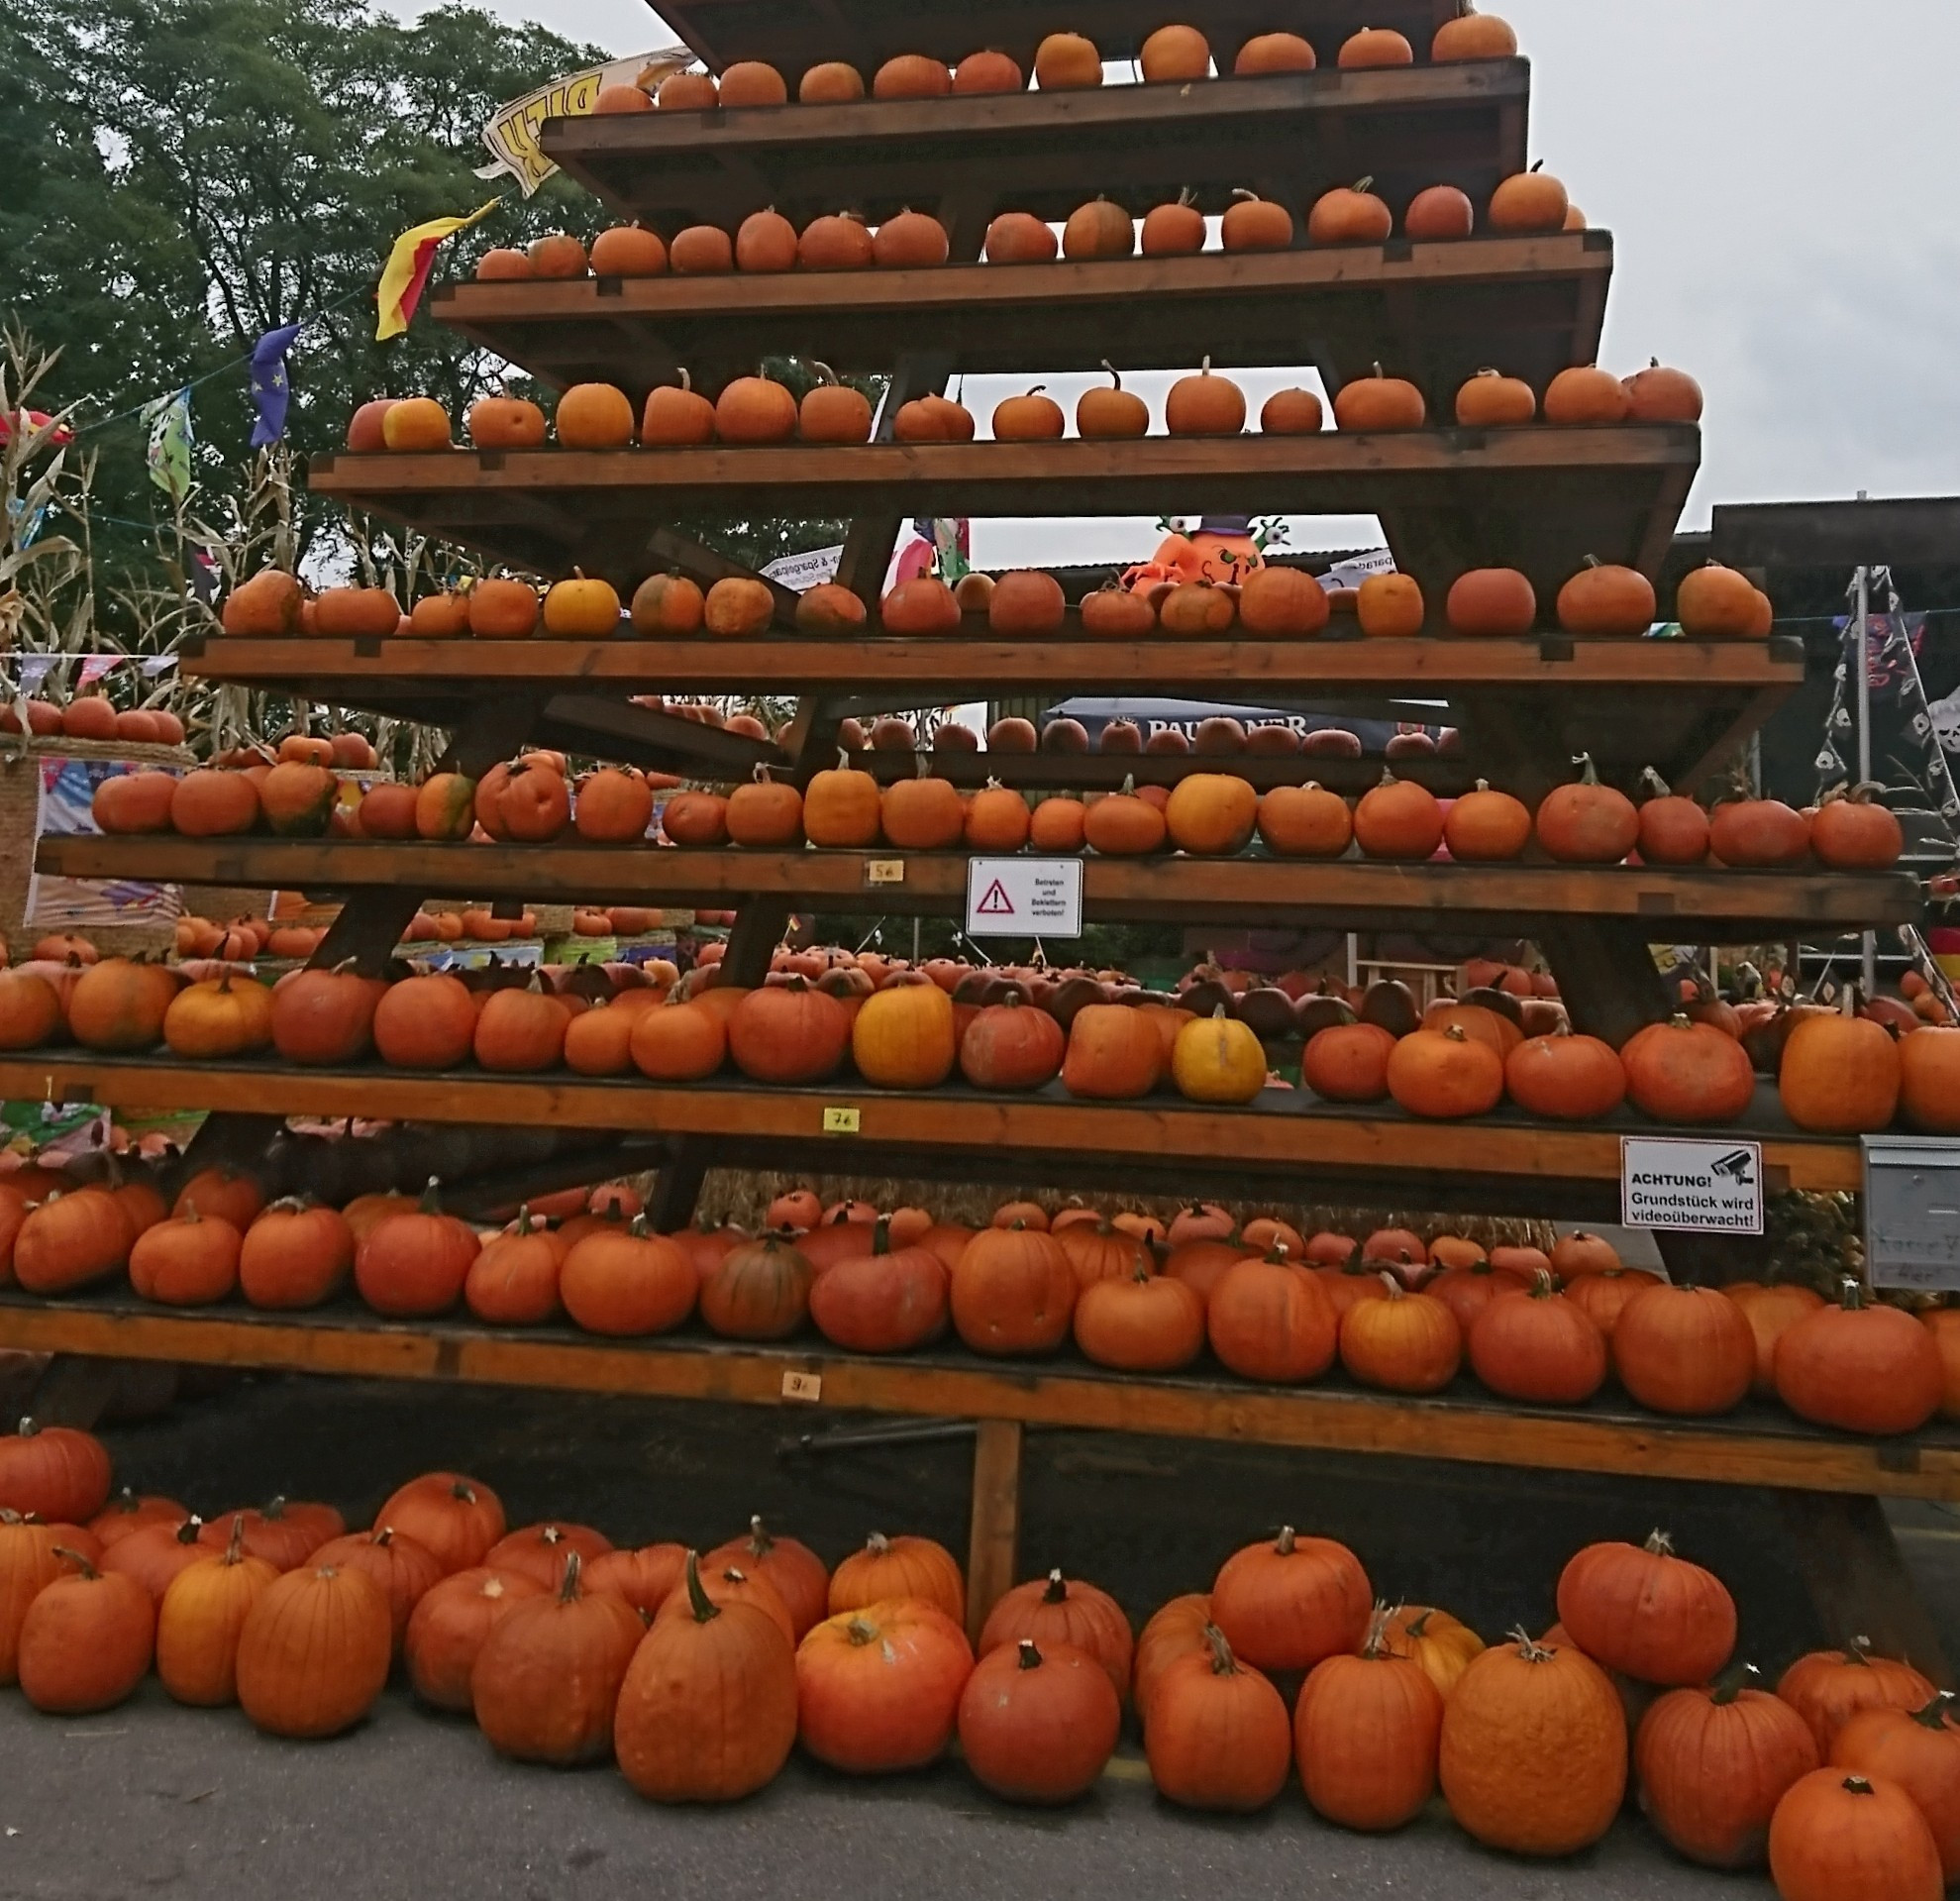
(1690, 1186)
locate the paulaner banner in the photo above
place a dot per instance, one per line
(513, 135)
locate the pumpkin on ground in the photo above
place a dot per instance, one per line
(1217, 1735)
(877, 1688)
(1919, 1751)
(1366, 1731)
(1037, 1723)
(707, 1708)
(86, 1639)
(1838, 1836)
(799, 1576)
(1712, 1764)
(314, 1651)
(448, 1625)
(201, 1618)
(547, 1677)
(457, 1519)
(1533, 1749)
(1647, 1613)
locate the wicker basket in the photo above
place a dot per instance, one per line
(19, 801)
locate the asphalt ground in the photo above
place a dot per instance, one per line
(150, 1798)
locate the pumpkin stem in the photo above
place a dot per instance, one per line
(861, 1631)
(880, 1238)
(1660, 1544)
(1364, 184)
(188, 1530)
(1030, 1656)
(27, 1428)
(759, 1541)
(1732, 1682)
(1114, 377)
(464, 1491)
(703, 1608)
(81, 1564)
(1223, 1662)
(1934, 1715)
(1284, 1543)
(1856, 1785)
(567, 1591)
(1851, 1297)
(1542, 1288)
(1057, 1587)
(878, 1545)
(1529, 1649)
(1376, 1643)
(431, 1203)
(234, 1545)
(1652, 781)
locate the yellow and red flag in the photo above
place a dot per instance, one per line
(407, 269)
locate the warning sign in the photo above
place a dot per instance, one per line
(1024, 898)
(1690, 1186)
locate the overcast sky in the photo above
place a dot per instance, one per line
(1779, 177)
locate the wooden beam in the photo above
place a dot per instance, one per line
(1759, 1446)
(1659, 902)
(993, 1542)
(1283, 1129)
(1850, 1564)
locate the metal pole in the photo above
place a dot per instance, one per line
(1870, 957)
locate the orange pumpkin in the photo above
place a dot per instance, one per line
(1687, 1072)
(1602, 599)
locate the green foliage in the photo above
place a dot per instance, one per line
(185, 174)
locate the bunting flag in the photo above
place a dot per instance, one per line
(406, 272)
(513, 135)
(168, 421)
(270, 388)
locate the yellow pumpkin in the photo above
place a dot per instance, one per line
(582, 610)
(1217, 1059)
(902, 1037)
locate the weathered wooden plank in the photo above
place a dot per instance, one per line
(993, 1542)
(1658, 899)
(1757, 1448)
(1282, 1130)
(976, 664)
(1851, 1566)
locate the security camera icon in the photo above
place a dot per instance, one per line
(1735, 1165)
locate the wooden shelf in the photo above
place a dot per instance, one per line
(1692, 701)
(1286, 1131)
(1760, 1446)
(1435, 313)
(1711, 906)
(1290, 136)
(795, 34)
(1538, 498)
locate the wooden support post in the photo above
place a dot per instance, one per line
(995, 1540)
(76, 1390)
(678, 1186)
(1857, 1580)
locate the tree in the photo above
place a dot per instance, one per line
(185, 174)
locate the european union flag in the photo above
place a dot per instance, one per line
(269, 387)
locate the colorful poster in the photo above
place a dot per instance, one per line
(65, 808)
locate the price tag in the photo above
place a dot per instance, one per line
(884, 870)
(807, 1387)
(840, 1122)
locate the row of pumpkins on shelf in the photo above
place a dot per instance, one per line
(1529, 203)
(1839, 1071)
(93, 715)
(535, 801)
(1601, 600)
(698, 1673)
(1173, 55)
(758, 410)
(1269, 1304)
